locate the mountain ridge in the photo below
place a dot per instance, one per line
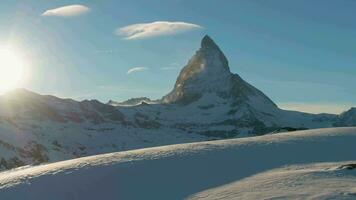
(208, 102)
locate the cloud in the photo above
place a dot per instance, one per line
(169, 68)
(107, 51)
(67, 11)
(173, 66)
(137, 69)
(158, 28)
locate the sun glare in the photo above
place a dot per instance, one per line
(11, 69)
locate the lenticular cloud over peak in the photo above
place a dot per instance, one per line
(154, 29)
(137, 69)
(67, 11)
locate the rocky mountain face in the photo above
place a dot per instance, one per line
(208, 72)
(347, 118)
(207, 102)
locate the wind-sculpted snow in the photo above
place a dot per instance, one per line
(176, 171)
(313, 181)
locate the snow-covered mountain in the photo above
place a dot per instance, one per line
(133, 102)
(208, 73)
(207, 87)
(274, 166)
(207, 102)
(38, 128)
(347, 118)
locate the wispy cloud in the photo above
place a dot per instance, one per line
(158, 28)
(169, 68)
(172, 66)
(107, 51)
(67, 11)
(137, 69)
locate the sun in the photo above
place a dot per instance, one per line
(11, 69)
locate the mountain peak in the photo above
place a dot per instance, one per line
(211, 55)
(207, 42)
(208, 73)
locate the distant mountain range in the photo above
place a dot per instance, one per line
(207, 102)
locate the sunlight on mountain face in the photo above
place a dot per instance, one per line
(12, 68)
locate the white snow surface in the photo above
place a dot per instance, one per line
(188, 170)
(313, 181)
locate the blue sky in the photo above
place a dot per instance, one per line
(302, 54)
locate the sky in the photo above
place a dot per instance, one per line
(301, 54)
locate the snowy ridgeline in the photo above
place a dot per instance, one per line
(204, 170)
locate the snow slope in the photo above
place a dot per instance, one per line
(179, 171)
(313, 181)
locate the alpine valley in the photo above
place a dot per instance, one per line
(208, 102)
